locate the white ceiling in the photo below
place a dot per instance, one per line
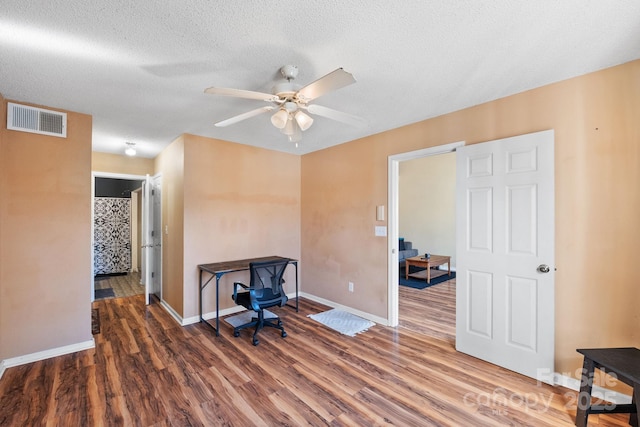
(140, 67)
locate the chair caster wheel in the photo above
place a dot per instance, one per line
(283, 334)
(256, 341)
(279, 322)
(236, 334)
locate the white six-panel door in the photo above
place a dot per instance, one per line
(505, 253)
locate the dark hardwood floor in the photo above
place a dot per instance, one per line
(146, 370)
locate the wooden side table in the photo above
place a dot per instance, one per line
(432, 261)
(625, 364)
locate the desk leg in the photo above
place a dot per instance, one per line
(584, 396)
(200, 300)
(217, 305)
(406, 270)
(297, 297)
(634, 419)
(428, 272)
(202, 286)
(295, 265)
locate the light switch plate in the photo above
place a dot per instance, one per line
(381, 230)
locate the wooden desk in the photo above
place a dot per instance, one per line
(625, 364)
(432, 261)
(219, 269)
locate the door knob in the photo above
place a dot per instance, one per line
(543, 268)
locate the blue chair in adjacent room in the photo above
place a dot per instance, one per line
(264, 291)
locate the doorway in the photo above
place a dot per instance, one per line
(116, 266)
(394, 221)
(426, 214)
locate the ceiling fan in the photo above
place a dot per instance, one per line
(290, 101)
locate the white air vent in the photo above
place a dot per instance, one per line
(36, 120)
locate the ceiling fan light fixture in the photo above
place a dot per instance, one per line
(303, 120)
(289, 98)
(280, 119)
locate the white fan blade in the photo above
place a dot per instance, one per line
(239, 93)
(333, 81)
(332, 114)
(244, 116)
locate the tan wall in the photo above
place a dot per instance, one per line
(427, 205)
(239, 202)
(171, 164)
(341, 188)
(597, 155)
(115, 163)
(45, 241)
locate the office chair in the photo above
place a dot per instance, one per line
(264, 291)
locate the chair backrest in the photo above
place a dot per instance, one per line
(266, 284)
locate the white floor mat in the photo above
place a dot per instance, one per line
(343, 322)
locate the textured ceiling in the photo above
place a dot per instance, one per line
(140, 68)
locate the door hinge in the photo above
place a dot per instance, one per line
(153, 233)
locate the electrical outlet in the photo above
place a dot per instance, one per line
(350, 286)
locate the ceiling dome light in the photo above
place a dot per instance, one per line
(280, 119)
(130, 150)
(304, 121)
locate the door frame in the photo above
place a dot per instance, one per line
(392, 239)
(95, 175)
(153, 215)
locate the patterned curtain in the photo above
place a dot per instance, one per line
(112, 235)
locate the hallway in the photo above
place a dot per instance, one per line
(125, 285)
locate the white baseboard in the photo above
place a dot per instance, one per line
(195, 319)
(292, 295)
(171, 312)
(597, 391)
(212, 314)
(224, 312)
(206, 316)
(45, 354)
(351, 310)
